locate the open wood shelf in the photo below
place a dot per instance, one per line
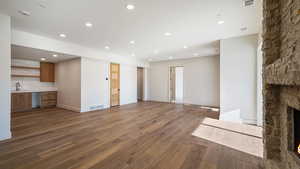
(32, 76)
(25, 67)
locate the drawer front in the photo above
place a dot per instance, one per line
(48, 96)
(48, 99)
(48, 103)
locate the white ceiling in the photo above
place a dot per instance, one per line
(20, 52)
(193, 23)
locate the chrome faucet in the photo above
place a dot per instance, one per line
(18, 86)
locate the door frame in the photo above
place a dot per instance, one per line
(142, 81)
(169, 81)
(110, 77)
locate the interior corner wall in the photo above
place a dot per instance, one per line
(259, 86)
(201, 80)
(95, 89)
(238, 72)
(68, 83)
(5, 71)
(82, 84)
(146, 84)
(128, 84)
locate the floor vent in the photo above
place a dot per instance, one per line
(96, 107)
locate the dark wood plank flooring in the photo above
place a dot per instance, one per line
(146, 135)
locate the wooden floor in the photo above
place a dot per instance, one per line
(145, 135)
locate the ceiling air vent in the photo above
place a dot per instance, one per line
(248, 3)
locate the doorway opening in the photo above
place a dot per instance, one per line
(176, 84)
(140, 84)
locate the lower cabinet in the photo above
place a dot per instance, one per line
(21, 102)
(48, 99)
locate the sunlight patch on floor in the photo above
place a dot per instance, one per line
(240, 137)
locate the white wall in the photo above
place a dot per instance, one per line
(179, 84)
(259, 86)
(5, 72)
(146, 84)
(128, 84)
(29, 83)
(238, 77)
(201, 80)
(82, 84)
(95, 90)
(68, 82)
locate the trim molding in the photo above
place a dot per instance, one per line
(6, 136)
(249, 121)
(76, 109)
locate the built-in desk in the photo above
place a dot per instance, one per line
(25, 100)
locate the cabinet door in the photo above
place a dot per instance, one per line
(21, 102)
(47, 72)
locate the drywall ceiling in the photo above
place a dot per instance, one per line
(192, 23)
(20, 52)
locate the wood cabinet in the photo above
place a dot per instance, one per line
(48, 99)
(47, 72)
(21, 102)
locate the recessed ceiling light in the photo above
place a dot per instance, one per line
(170, 57)
(88, 24)
(43, 59)
(55, 55)
(168, 34)
(185, 47)
(25, 13)
(41, 3)
(62, 35)
(107, 47)
(132, 42)
(196, 54)
(130, 6)
(221, 22)
(133, 54)
(155, 52)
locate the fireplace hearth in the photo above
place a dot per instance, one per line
(295, 133)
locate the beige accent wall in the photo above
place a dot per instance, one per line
(201, 80)
(68, 82)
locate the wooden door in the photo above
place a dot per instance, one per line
(114, 84)
(47, 72)
(140, 84)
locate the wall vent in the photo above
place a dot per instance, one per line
(99, 107)
(248, 3)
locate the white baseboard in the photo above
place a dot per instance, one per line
(76, 109)
(5, 136)
(250, 121)
(130, 102)
(104, 107)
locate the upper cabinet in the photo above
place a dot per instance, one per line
(47, 72)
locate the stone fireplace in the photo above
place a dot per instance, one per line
(281, 74)
(294, 131)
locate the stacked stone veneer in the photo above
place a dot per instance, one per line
(281, 74)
